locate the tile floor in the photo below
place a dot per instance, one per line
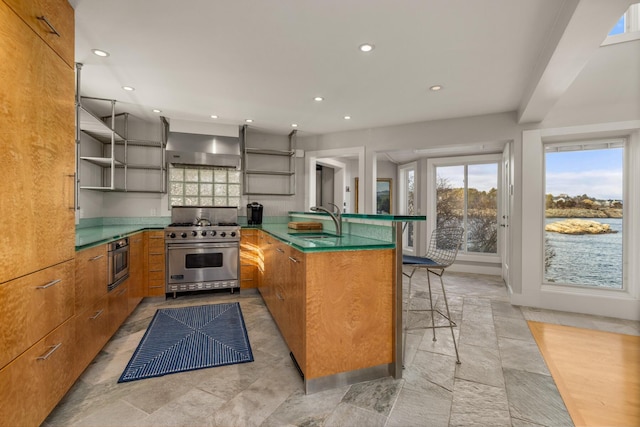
(502, 381)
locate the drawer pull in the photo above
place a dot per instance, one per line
(95, 258)
(280, 250)
(46, 21)
(50, 284)
(95, 316)
(293, 259)
(121, 292)
(279, 296)
(50, 352)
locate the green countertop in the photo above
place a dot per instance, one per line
(92, 236)
(374, 217)
(326, 244)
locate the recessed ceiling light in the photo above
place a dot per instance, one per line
(128, 88)
(213, 116)
(294, 125)
(318, 98)
(249, 120)
(99, 52)
(366, 47)
(435, 88)
(155, 110)
(347, 117)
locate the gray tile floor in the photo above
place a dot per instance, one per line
(502, 381)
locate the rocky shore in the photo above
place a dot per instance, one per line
(579, 226)
(584, 213)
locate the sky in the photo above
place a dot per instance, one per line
(596, 173)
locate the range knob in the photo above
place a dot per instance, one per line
(183, 235)
(204, 233)
(223, 234)
(172, 235)
(212, 233)
(194, 233)
(233, 234)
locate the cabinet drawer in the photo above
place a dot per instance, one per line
(91, 276)
(156, 241)
(156, 259)
(60, 16)
(33, 306)
(35, 382)
(118, 307)
(92, 333)
(156, 288)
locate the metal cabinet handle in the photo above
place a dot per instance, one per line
(95, 258)
(279, 296)
(50, 284)
(280, 250)
(95, 316)
(50, 352)
(294, 260)
(46, 21)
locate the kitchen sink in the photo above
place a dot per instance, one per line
(312, 236)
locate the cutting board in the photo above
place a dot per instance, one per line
(306, 225)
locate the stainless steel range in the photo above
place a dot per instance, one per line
(203, 249)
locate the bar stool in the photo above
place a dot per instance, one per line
(441, 253)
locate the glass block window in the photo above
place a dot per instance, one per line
(203, 186)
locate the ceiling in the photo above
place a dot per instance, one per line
(267, 60)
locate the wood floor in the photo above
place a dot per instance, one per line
(597, 373)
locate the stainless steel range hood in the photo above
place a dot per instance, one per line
(203, 150)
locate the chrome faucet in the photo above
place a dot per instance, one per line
(336, 217)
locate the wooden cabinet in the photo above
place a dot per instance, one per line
(335, 310)
(33, 306)
(52, 21)
(118, 306)
(92, 333)
(249, 258)
(34, 383)
(38, 144)
(91, 276)
(155, 264)
(136, 282)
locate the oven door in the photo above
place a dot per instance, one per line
(202, 262)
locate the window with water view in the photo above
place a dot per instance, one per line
(583, 241)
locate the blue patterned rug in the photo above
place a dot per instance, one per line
(188, 338)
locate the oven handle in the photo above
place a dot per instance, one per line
(203, 246)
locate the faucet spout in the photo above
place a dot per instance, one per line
(336, 217)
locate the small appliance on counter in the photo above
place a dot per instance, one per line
(254, 213)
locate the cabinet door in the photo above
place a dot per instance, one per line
(118, 306)
(155, 264)
(92, 333)
(32, 306)
(38, 152)
(91, 276)
(137, 285)
(296, 305)
(45, 16)
(249, 259)
(34, 383)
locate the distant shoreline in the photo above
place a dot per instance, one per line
(584, 213)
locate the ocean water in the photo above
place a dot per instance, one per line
(592, 260)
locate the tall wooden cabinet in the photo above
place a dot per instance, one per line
(155, 266)
(37, 148)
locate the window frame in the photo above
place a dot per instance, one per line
(403, 172)
(432, 164)
(592, 144)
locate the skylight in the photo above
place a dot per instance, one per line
(627, 28)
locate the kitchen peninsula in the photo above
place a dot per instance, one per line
(336, 300)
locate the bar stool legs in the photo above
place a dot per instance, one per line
(450, 323)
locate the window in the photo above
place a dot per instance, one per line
(203, 186)
(466, 194)
(627, 28)
(583, 237)
(407, 204)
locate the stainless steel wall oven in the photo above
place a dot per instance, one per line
(203, 249)
(118, 266)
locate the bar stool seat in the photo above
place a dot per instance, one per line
(442, 252)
